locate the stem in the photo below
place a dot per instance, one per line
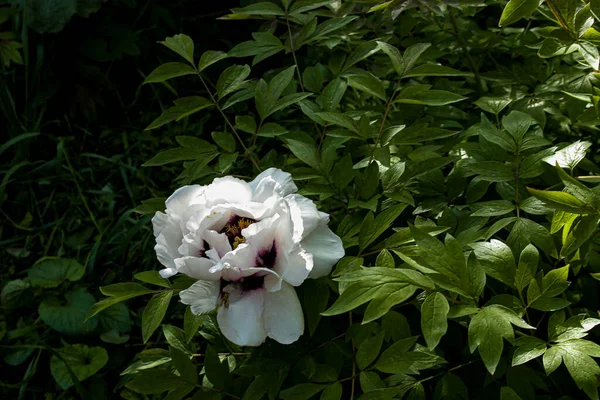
(287, 22)
(385, 114)
(85, 204)
(524, 307)
(517, 185)
(463, 46)
(212, 98)
(353, 361)
(558, 16)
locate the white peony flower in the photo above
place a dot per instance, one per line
(248, 245)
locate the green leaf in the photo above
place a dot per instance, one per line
(184, 107)
(517, 9)
(154, 313)
(305, 152)
(487, 330)
(420, 95)
(176, 155)
(182, 45)
(151, 206)
(528, 348)
(152, 277)
(387, 287)
(287, 101)
(385, 259)
(316, 297)
(361, 52)
(217, 372)
(497, 260)
(191, 324)
(507, 393)
(570, 156)
(561, 201)
(262, 8)
(578, 189)
(372, 228)
(590, 54)
(553, 283)
(493, 105)
(581, 233)
(258, 388)
(224, 140)
(394, 55)
(231, 79)
(13, 292)
(528, 263)
(332, 94)
(368, 350)
(434, 322)
(271, 129)
(210, 57)
(332, 392)
(517, 123)
(303, 391)
(115, 318)
(339, 119)
(81, 360)
(493, 171)
(156, 380)
(368, 83)
(176, 338)
(50, 272)
(494, 208)
(169, 71)
(117, 293)
(183, 364)
(245, 123)
(69, 317)
(278, 84)
(434, 70)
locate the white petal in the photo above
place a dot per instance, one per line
(298, 265)
(159, 222)
(218, 241)
(202, 296)
(304, 214)
(285, 184)
(229, 190)
(326, 248)
(261, 235)
(282, 315)
(182, 198)
(242, 321)
(197, 268)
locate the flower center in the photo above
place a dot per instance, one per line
(233, 229)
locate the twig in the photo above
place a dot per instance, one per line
(470, 61)
(353, 378)
(212, 98)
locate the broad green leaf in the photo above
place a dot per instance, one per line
(210, 57)
(487, 330)
(578, 189)
(224, 140)
(496, 136)
(176, 155)
(340, 119)
(492, 208)
(394, 55)
(117, 293)
(493, 171)
(302, 391)
(258, 388)
(50, 272)
(372, 228)
(217, 371)
(434, 323)
(517, 123)
(271, 129)
(151, 206)
(493, 105)
(115, 318)
(570, 156)
(590, 54)
(176, 338)
(231, 79)
(332, 94)
(562, 201)
(168, 71)
(316, 297)
(368, 83)
(306, 152)
(581, 233)
(368, 350)
(411, 56)
(497, 260)
(287, 101)
(385, 259)
(156, 380)
(421, 96)
(540, 297)
(526, 231)
(332, 392)
(507, 393)
(361, 52)
(527, 348)
(386, 287)
(528, 263)
(154, 313)
(191, 324)
(434, 70)
(184, 107)
(262, 8)
(152, 277)
(83, 361)
(302, 6)
(183, 364)
(278, 84)
(14, 291)
(517, 9)
(182, 45)
(69, 317)
(245, 123)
